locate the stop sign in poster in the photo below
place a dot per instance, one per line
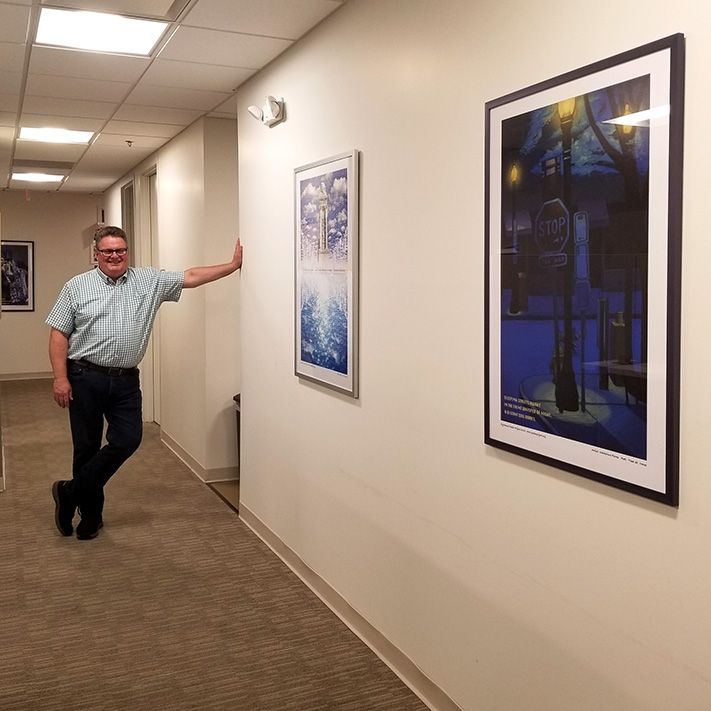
(582, 239)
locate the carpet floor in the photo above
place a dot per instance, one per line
(175, 605)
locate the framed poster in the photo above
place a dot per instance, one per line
(18, 275)
(326, 272)
(583, 270)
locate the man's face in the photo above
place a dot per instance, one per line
(112, 264)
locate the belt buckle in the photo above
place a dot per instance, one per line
(114, 371)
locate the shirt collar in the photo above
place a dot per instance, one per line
(109, 280)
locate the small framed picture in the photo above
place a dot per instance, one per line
(326, 272)
(18, 275)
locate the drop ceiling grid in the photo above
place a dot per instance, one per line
(213, 49)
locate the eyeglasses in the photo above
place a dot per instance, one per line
(108, 252)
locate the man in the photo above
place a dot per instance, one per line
(100, 328)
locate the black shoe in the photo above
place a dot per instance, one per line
(64, 508)
(89, 527)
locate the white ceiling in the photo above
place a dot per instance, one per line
(136, 104)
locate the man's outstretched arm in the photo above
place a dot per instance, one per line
(197, 276)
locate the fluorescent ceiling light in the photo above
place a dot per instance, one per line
(55, 135)
(641, 118)
(98, 31)
(38, 177)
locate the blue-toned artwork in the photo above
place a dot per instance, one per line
(324, 270)
(326, 198)
(583, 270)
(574, 268)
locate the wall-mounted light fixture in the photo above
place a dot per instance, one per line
(272, 113)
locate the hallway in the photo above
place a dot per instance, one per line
(176, 604)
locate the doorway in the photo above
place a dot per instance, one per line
(127, 216)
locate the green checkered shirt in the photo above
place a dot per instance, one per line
(109, 323)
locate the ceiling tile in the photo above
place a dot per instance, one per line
(7, 118)
(9, 102)
(36, 150)
(10, 82)
(136, 128)
(7, 133)
(13, 27)
(154, 114)
(70, 122)
(288, 19)
(117, 159)
(140, 8)
(191, 44)
(12, 56)
(170, 97)
(88, 183)
(87, 65)
(137, 142)
(189, 75)
(67, 107)
(74, 88)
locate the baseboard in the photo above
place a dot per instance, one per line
(26, 376)
(430, 694)
(206, 475)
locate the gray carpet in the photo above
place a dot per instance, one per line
(176, 604)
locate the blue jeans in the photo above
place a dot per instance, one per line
(97, 396)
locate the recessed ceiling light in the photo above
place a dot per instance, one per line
(55, 135)
(38, 177)
(98, 31)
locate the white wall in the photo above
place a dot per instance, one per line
(61, 227)
(509, 583)
(197, 225)
(222, 325)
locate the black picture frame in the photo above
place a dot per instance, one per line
(583, 213)
(17, 271)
